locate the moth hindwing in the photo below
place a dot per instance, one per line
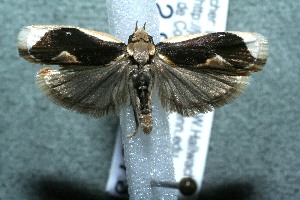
(193, 73)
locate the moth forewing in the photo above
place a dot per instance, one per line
(256, 43)
(67, 45)
(237, 53)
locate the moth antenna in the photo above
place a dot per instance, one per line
(136, 26)
(144, 27)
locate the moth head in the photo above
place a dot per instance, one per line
(140, 45)
(140, 35)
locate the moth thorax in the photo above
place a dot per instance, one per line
(146, 122)
(141, 51)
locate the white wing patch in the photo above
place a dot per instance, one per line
(29, 36)
(256, 44)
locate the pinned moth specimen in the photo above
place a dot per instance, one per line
(98, 72)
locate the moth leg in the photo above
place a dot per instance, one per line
(136, 125)
(133, 133)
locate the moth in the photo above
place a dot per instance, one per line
(98, 73)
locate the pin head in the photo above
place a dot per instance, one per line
(187, 186)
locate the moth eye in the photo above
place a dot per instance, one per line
(146, 38)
